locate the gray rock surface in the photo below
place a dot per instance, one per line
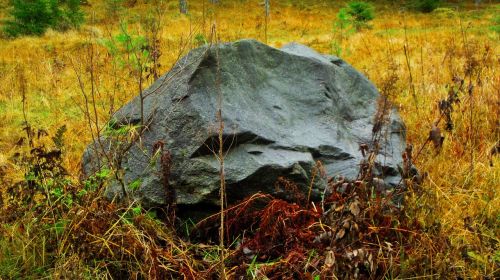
(283, 109)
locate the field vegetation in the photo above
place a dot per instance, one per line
(439, 69)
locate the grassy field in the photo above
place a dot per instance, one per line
(415, 59)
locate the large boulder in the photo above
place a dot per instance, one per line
(283, 110)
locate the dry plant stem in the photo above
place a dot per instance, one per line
(155, 38)
(256, 196)
(422, 74)
(140, 81)
(471, 120)
(91, 55)
(266, 17)
(22, 88)
(407, 57)
(315, 170)
(140, 78)
(184, 45)
(96, 132)
(203, 16)
(91, 69)
(220, 154)
(29, 134)
(115, 160)
(86, 111)
(471, 95)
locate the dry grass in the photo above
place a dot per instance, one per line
(458, 203)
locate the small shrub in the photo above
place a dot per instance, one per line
(361, 11)
(357, 14)
(46, 181)
(342, 29)
(113, 9)
(30, 17)
(495, 24)
(71, 15)
(34, 17)
(426, 6)
(200, 40)
(129, 50)
(350, 19)
(444, 13)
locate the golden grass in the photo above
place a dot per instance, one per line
(463, 201)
